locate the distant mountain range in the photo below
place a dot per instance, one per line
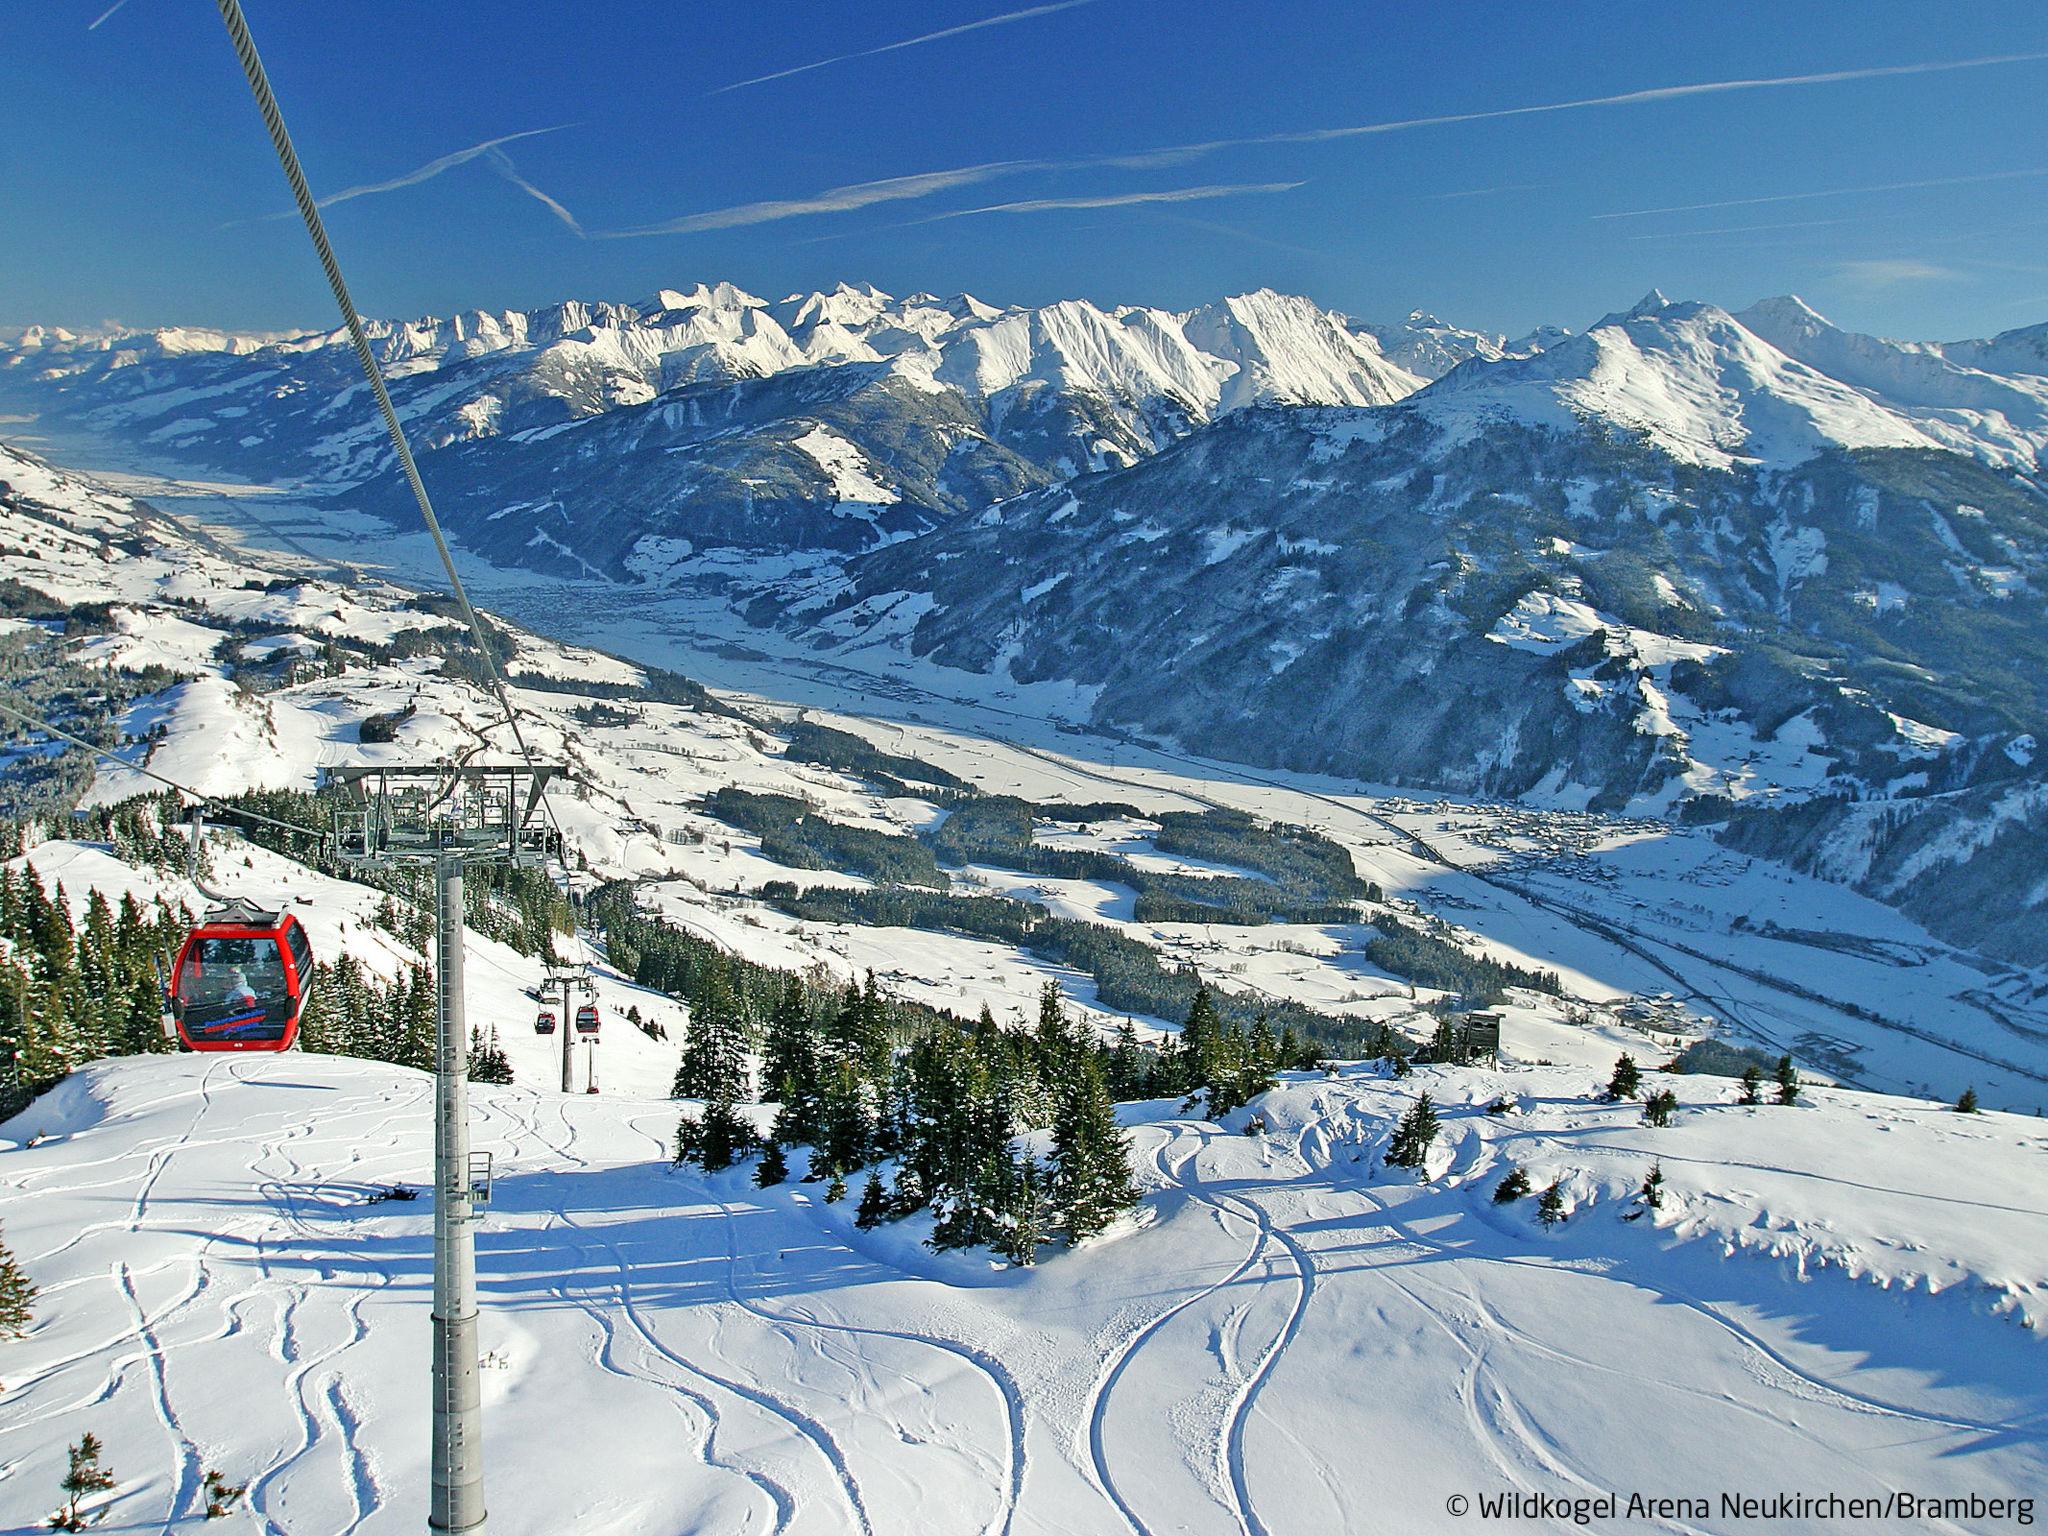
(1747, 568)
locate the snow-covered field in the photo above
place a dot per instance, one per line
(1835, 1297)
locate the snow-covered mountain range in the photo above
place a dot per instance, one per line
(566, 436)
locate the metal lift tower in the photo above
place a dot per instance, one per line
(448, 816)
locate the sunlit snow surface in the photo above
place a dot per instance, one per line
(1832, 1298)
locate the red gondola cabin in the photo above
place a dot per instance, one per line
(544, 1022)
(586, 1019)
(242, 981)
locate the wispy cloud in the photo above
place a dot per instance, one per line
(1744, 229)
(925, 184)
(909, 42)
(892, 189)
(429, 171)
(1874, 276)
(1246, 235)
(501, 162)
(1513, 186)
(1119, 199)
(1800, 197)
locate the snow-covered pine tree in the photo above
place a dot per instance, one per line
(714, 1064)
(724, 1136)
(1653, 1187)
(1659, 1107)
(1057, 1037)
(790, 1060)
(487, 1060)
(17, 1295)
(1091, 1160)
(1627, 1078)
(1511, 1188)
(1201, 1038)
(1788, 1081)
(1024, 1224)
(846, 1118)
(1413, 1137)
(1550, 1209)
(1752, 1086)
(835, 1188)
(1127, 1065)
(874, 1204)
(773, 1167)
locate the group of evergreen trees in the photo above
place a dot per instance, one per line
(947, 1105)
(76, 986)
(75, 990)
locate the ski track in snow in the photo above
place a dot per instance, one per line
(272, 1277)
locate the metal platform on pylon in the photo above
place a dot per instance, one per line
(478, 811)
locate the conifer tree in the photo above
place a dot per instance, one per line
(1091, 1161)
(1659, 1107)
(1788, 1081)
(773, 1168)
(1627, 1078)
(1653, 1187)
(1126, 1064)
(17, 1295)
(487, 1060)
(874, 1204)
(1201, 1037)
(1024, 1228)
(84, 1478)
(221, 1495)
(717, 1139)
(1550, 1209)
(790, 1061)
(714, 1064)
(1967, 1104)
(846, 1127)
(1752, 1085)
(1057, 1037)
(835, 1188)
(1413, 1137)
(1511, 1188)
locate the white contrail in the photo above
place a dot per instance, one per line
(908, 42)
(1800, 197)
(1118, 199)
(833, 200)
(502, 164)
(426, 172)
(93, 25)
(924, 184)
(1745, 229)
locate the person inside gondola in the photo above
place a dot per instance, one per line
(240, 995)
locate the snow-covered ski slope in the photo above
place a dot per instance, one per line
(1289, 1339)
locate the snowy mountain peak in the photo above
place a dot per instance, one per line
(1649, 304)
(1787, 311)
(716, 296)
(1690, 377)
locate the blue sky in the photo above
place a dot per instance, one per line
(1136, 151)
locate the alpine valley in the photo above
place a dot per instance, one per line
(1745, 571)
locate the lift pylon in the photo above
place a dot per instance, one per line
(448, 816)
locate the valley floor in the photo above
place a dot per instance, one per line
(1840, 1296)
